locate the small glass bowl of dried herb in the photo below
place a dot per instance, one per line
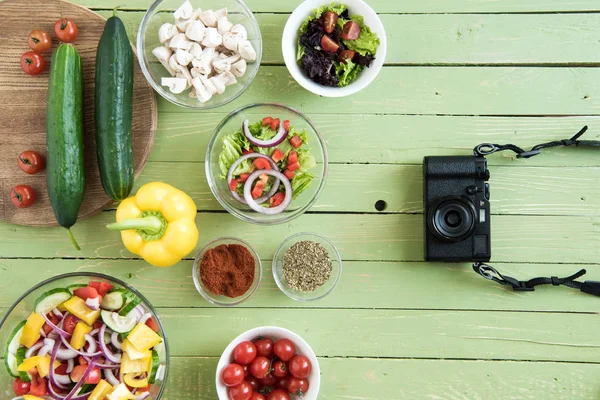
(307, 266)
(227, 271)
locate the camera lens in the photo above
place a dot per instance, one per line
(453, 219)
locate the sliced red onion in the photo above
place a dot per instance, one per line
(70, 365)
(141, 396)
(94, 331)
(57, 396)
(278, 138)
(237, 162)
(75, 389)
(110, 377)
(42, 332)
(63, 379)
(53, 335)
(81, 353)
(61, 332)
(33, 349)
(51, 374)
(255, 204)
(114, 339)
(93, 303)
(44, 350)
(56, 312)
(108, 366)
(136, 313)
(92, 344)
(116, 358)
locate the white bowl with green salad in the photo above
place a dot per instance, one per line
(334, 49)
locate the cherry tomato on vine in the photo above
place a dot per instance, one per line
(39, 41)
(66, 30)
(269, 380)
(257, 396)
(244, 353)
(280, 369)
(278, 394)
(299, 367)
(254, 383)
(31, 162)
(232, 375)
(264, 347)
(243, 391)
(32, 63)
(260, 367)
(22, 196)
(297, 386)
(284, 349)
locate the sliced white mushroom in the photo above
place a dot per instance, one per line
(180, 41)
(239, 68)
(195, 30)
(184, 72)
(192, 94)
(196, 50)
(201, 92)
(239, 30)
(204, 63)
(228, 78)
(246, 50)
(166, 32)
(222, 64)
(175, 85)
(222, 13)
(182, 24)
(223, 25)
(195, 72)
(231, 40)
(184, 57)
(212, 38)
(173, 62)
(184, 11)
(196, 13)
(163, 54)
(219, 84)
(208, 84)
(208, 18)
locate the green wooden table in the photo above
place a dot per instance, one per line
(458, 72)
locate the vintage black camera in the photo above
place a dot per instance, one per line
(457, 209)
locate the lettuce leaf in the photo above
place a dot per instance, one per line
(367, 41)
(300, 183)
(232, 150)
(306, 159)
(317, 12)
(347, 72)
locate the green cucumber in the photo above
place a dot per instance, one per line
(10, 361)
(24, 375)
(13, 342)
(51, 299)
(114, 300)
(117, 323)
(133, 303)
(114, 109)
(161, 352)
(154, 369)
(65, 177)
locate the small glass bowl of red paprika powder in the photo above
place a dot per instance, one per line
(227, 271)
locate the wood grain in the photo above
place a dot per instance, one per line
(23, 100)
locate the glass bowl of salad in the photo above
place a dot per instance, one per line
(266, 163)
(334, 49)
(100, 335)
(199, 54)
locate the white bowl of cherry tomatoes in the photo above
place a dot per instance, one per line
(268, 363)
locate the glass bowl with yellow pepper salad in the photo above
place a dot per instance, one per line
(82, 336)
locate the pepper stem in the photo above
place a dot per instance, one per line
(73, 239)
(150, 224)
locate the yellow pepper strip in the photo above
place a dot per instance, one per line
(78, 338)
(158, 224)
(101, 390)
(135, 381)
(29, 363)
(132, 352)
(135, 366)
(30, 397)
(77, 307)
(120, 392)
(143, 337)
(43, 366)
(31, 330)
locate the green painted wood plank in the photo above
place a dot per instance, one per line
(458, 39)
(410, 6)
(373, 285)
(394, 237)
(383, 379)
(439, 90)
(398, 139)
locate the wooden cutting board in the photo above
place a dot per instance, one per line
(23, 106)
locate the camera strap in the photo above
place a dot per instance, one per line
(489, 272)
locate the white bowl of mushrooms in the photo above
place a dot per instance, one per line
(200, 55)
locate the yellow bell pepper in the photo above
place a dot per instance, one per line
(143, 338)
(30, 397)
(29, 363)
(120, 392)
(135, 366)
(78, 337)
(134, 381)
(101, 390)
(132, 352)
(31, 330)
(41, 363)
(158, 224)
(78, 308)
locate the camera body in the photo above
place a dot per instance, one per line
(457, 209)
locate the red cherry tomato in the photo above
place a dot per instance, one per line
(257, 396)
(260, 367)
(278, 394)
(20, 388)
(86, 292)
(22, 196)
(264, 347)
(31, 162)
(280, 369)
(299, 367)
(70, 322)
(243, 391)
(244, 353)
(254, 383)
(39, 41)
(268, 381)
(297, 386)
(65, 30)
(284, 349)
(232, 375)
(32, 63)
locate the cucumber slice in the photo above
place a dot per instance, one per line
(15, 336)
(117, 323)
(154, 369)
(75, 286)
(160, 351)
(10, 361)
(114, 300)
(51, 299)
(133, 303)
(24, 375)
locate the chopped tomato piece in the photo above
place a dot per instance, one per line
(292, 157)
(296, 141)
(264, 178)
(69, 323)
(294, 167)
(277, 199)
(261, 163)
(243, 177)
(233, 184)
(289, 174)
(258, 190)
(101, 287)
(98, 324)
(266, 121)
(286, 125)
(81, 360)
(85, 293)
(277, 155)
(152, 324)
(275, 124)
(38, 385)
(249, 151)
(54, 319)
(61, 369)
